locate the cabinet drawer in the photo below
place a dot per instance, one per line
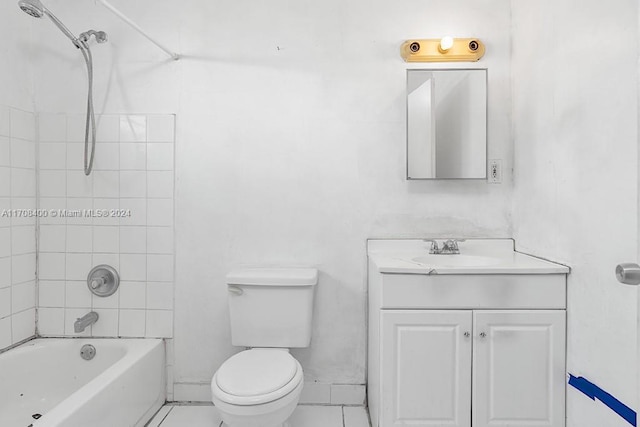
(412, 291)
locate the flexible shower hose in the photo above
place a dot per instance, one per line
(90, 124)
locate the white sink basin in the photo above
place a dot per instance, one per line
(457, 260)
(478, 256)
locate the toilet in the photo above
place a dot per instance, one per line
(270, 312)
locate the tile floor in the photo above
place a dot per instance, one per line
(304, 416)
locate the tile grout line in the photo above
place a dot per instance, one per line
(11, 197)
(146, 226)
(66, 137)
(37, 225)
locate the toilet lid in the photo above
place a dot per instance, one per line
(256, 372)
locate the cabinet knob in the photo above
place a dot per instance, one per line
(483, 335)
(467, 334)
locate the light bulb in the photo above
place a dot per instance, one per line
(446, 43)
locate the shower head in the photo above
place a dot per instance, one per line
(34, 8)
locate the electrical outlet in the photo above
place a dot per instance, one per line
(495, 171)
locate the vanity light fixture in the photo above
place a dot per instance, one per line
(445, 49)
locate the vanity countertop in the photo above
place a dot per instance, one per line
(477, 256)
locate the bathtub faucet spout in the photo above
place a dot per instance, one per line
(85, 321)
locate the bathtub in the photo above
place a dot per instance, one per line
(46, 383)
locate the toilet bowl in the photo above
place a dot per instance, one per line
(257, 388)
(270, 311)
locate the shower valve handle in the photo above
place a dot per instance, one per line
(97, 282)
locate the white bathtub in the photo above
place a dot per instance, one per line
(122, 386)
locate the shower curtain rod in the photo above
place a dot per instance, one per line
(136, 27)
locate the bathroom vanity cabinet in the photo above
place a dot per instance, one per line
(465, 346)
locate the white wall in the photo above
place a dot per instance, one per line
(16, 47)
(17, 179)
(576, 162)
(290, 145)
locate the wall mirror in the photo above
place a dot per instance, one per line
(447, 124)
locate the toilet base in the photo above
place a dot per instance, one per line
(272, 414)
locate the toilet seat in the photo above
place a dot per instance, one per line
(257, 376)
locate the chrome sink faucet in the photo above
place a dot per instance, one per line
(85, 321)
(449, 247)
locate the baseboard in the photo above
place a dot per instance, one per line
(313, 393)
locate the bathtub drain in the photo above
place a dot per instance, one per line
(87, 352)
(36, 416)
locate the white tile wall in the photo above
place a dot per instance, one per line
(23, 325)
(109, 128)
(106, 239)
(23, 268)
(133, 129)
(5, 242)
(133, 156)
(17, 232)
(106, 184)
(5, 272)
(23, 125)
(5, 121)
(5, 151)
(138, 243)
(109, 158)
(51, 321)
(74, 126)
(23, 297)
(133, 295)
(52, 128)
(53, 156)
(107, 324)
(51, 293)
(52, 266)
(5, 332)
(5, 302)
(5, 182)
(132, 323)
(23, 183)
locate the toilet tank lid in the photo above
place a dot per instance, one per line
(273, 276)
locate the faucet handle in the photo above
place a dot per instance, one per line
(98, 282)
(434, 246)
(451, 246)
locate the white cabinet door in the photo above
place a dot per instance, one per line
(519, 368)
(426, 368)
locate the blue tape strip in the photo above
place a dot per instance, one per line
(594, 392)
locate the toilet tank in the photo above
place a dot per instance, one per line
(271, 307)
